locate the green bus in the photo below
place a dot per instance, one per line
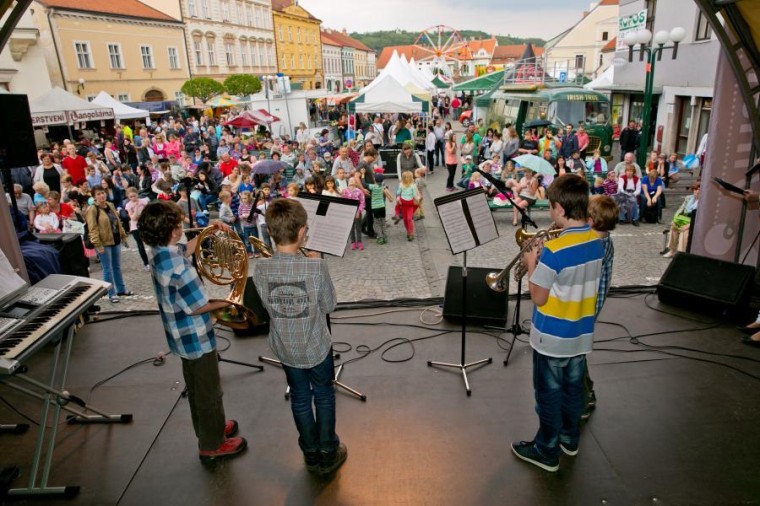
(521, 104)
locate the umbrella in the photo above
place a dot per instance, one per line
(245, 120)
(267, 166)
(537, 123)
(222, 101)
(536, 164)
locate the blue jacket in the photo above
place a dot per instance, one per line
(569, 144)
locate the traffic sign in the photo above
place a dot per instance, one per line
(563, 77)
(349, 84)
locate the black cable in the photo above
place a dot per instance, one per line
(18, 411)
(158, 360)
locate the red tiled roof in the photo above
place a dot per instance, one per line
(513, 52)
(408, 51)
(343, 40)
(279, 6)
(610, 46)
(608, 2)
(488, 44)
(124, 8)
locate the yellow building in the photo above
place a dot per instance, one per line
(125, 48)
(298, 44)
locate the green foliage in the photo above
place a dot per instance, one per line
(202, 88)
(379, 40)
(242, 84)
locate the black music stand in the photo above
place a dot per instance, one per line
(465, 219)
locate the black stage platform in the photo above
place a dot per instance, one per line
(667, 430)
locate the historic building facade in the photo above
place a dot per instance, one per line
(298, 43)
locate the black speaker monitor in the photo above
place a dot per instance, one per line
(252, 301)
(17, 146)
(707, 285)
(484, 306)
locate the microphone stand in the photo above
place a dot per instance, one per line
(516, 329)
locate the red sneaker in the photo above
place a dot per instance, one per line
(229, 448)
(230, 428)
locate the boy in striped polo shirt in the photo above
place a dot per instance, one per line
(563, 286)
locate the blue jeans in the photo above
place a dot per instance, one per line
(249, 231)
(204, 199)
(264, 235)
(316, 431)
(110, 260)
(630, 214)
(558, 384)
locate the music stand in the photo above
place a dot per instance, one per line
(468, 223)
(329, 222)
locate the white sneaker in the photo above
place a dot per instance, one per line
(146, 268)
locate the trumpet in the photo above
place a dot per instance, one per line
(499, 281)
(266, 250)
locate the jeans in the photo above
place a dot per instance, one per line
(439, 154)
(264, 235)
(110, 259)
(247, 232)
(316, 431)
(558, 385)
(140, 246)
(204, 199)
(355, 236)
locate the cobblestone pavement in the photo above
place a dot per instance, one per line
(418, 269)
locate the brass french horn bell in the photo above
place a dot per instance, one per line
(223, 260)
(499, 281)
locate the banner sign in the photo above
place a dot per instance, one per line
(630, 23)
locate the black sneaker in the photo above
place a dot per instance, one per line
(586, 414)
(635, 223)
(569, 449)
(333, 460)
(526, 450)
(312, 460)
(591, 398)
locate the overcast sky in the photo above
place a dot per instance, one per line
(526, 18)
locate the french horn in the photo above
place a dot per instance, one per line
(223, 260)
(498, 281)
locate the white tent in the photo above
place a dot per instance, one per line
(387, 95)
(420, 76)
(398, 70)
(122, 111)
(603, 80)
(59, 107)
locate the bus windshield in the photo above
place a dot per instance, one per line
(591, 113)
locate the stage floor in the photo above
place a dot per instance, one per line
(667, 430)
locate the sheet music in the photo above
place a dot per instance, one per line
(10, 281)
(456, 227)
(482, 218)
(466, 219)
(330, 223)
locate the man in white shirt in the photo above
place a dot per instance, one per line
(438, 130)
(344, 162)
(628, 159)
(378, 130)
(430, 143)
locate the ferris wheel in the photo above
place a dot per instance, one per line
(441, 47)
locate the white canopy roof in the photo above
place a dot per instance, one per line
(386, 95)
(122, 111)
(603, 80)
(59, 107)
(400, 71)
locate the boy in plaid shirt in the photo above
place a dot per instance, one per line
(186, 314)
(603, 215)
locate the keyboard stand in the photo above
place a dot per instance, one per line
(54, 399)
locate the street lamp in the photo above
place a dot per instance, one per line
(654, 54)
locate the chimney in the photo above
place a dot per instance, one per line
(345, 32)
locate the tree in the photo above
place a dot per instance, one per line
(202, 88)
(242, 84)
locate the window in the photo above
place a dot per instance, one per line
(225, 11)
(309, 62)
(260, 17)
(605, 35)
(84, 58)
(114, 56)
(271, 55)
(147, 57)
(123, 97)
(579, 61)
(298, 34)
(651, 10)
(90, 98)
(255, 54)
(292, 61)
(205, 9)
(180, 98)
(300, 61)
(284, 63)
(243, 53)
(173, 58)
(280, 33)
(211, 52)
(198, 50)
(240, 15)
(229, 53)
(192, 9)
(290, 34)
(248, 15)
(704, 31)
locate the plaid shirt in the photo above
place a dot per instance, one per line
(298, 293)
(179, 292)
(606, 276)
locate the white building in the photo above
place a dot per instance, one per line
(225, 37)
(332, 65)
(579, 49)
(22, 61)
(683, 88)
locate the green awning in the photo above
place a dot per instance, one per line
(483, 83)
(440, 83)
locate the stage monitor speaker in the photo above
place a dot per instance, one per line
(252, 301)
(707, 285)
(484, 306)
(17, 146)
(71, 250)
